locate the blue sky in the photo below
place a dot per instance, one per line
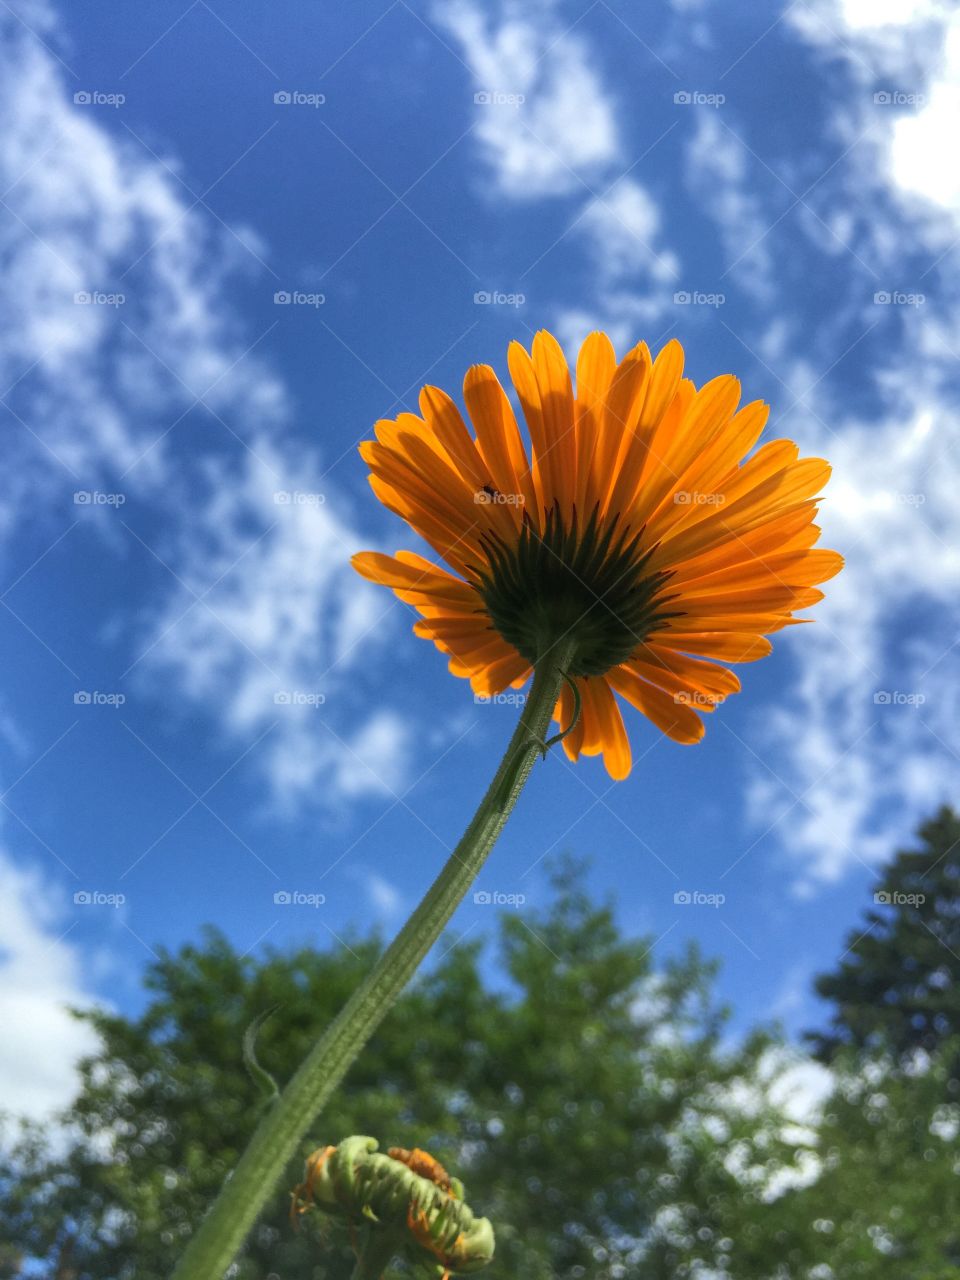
(203, 706)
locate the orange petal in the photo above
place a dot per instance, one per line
(675, 719)
(616, 745)
(596, 364)
(556, 404)
(730, 646)
(498, 435)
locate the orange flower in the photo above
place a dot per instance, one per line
(639, 524)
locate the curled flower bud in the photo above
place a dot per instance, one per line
(406, 1200)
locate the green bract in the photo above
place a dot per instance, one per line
(589, 583)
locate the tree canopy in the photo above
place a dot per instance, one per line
(898, 985)
(583, 1096)
(591, 1100)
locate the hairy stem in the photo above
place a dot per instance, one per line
(375, 1258)
(275, 1141)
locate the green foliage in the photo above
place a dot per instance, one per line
(898, 986)
(585, 1098)
(588, 1108)
(886, 1204)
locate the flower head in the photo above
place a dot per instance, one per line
(641, 525)
(406, 1197)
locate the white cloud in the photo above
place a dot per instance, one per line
(867, 740)
(721, 174)
(93, 385)
(923, 142)
(905, 55)
(622, 228)
(385, 898)
(269, 622)
(635, 277)
(40, 976)
(100, 393)
(868, 15)
(549, 124)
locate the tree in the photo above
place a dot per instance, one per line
(886, 1203)
(589, 1108)
(886, 1199)
(898, 987)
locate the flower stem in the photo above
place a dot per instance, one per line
(375, 1258)
(275, 1140)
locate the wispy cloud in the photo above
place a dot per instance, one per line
(545, 120)
(265, 622)
(40, 979)
(866, 744)
(117, 336)
(115, 324)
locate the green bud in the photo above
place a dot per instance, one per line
(405, 1197)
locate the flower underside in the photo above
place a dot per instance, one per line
(639, 518)
(591, 585)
